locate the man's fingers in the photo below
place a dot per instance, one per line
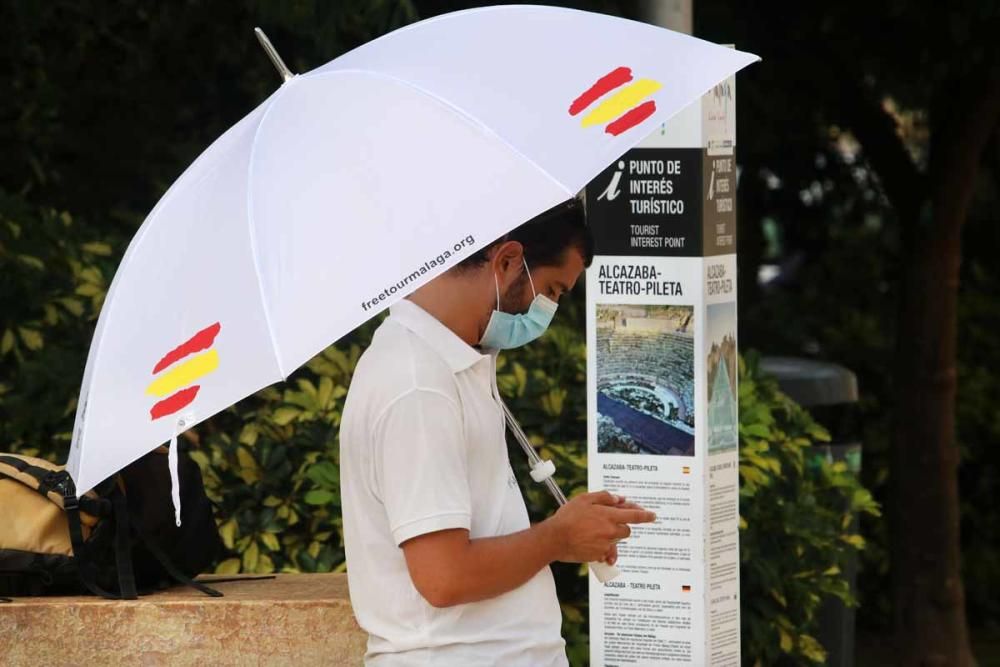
(626, 505)
(622, 531)
(602, 498)
(619, 515)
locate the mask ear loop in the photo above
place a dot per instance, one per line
(530, 281)
(496, 284)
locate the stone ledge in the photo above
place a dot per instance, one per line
(294, 619)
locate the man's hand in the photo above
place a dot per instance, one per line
(589, 525)
(448, 568)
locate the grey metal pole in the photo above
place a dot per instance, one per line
(672, 14)
(279, 64)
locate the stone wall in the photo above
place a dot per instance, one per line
(293, 619)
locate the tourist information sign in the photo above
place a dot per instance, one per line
(661, 382)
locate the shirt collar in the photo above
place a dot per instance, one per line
(458, 354)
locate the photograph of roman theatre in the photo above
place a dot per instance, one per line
(645, 380)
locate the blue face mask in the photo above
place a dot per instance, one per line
(507, 330)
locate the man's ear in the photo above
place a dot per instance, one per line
(508, 262)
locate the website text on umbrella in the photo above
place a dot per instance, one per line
(467, 242)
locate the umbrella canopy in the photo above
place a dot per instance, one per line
(353, 185)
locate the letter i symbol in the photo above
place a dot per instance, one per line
(611, 192)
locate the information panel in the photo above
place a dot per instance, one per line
(662, 394)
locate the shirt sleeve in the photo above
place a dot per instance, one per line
(421, 465)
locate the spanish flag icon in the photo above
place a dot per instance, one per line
(624, 109)
(178, 370)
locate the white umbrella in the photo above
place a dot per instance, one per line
(351, 186)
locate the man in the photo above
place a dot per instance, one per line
(444, 566)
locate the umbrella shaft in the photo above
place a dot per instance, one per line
(555, 491)
(533, 457)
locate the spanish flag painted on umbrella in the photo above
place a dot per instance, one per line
(625, 106)
(178, 370)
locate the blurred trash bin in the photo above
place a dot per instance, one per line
(830, 393)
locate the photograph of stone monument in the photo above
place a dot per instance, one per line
(722, 419)
(645, 379)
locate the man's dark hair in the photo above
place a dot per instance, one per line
(546, 237)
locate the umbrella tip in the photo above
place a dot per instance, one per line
(279, 64)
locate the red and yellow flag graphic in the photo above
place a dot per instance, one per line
(179, 368)
(625, 109)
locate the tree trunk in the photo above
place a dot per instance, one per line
(928, 596)
(929, 600)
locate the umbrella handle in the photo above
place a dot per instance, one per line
(603, 571)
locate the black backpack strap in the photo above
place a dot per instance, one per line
(84, 566)
(23, 466)
(225, 579)
(169, 566)
(53, 481)
(123, 548)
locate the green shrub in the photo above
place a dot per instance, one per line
(796, 511)
(271, 466)
(52, 284)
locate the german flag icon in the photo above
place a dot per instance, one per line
(178, 370)
(624, 109)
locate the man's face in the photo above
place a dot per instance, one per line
(552, 281)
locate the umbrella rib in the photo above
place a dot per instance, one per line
(253, 234)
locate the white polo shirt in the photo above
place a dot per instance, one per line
(422, 448)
